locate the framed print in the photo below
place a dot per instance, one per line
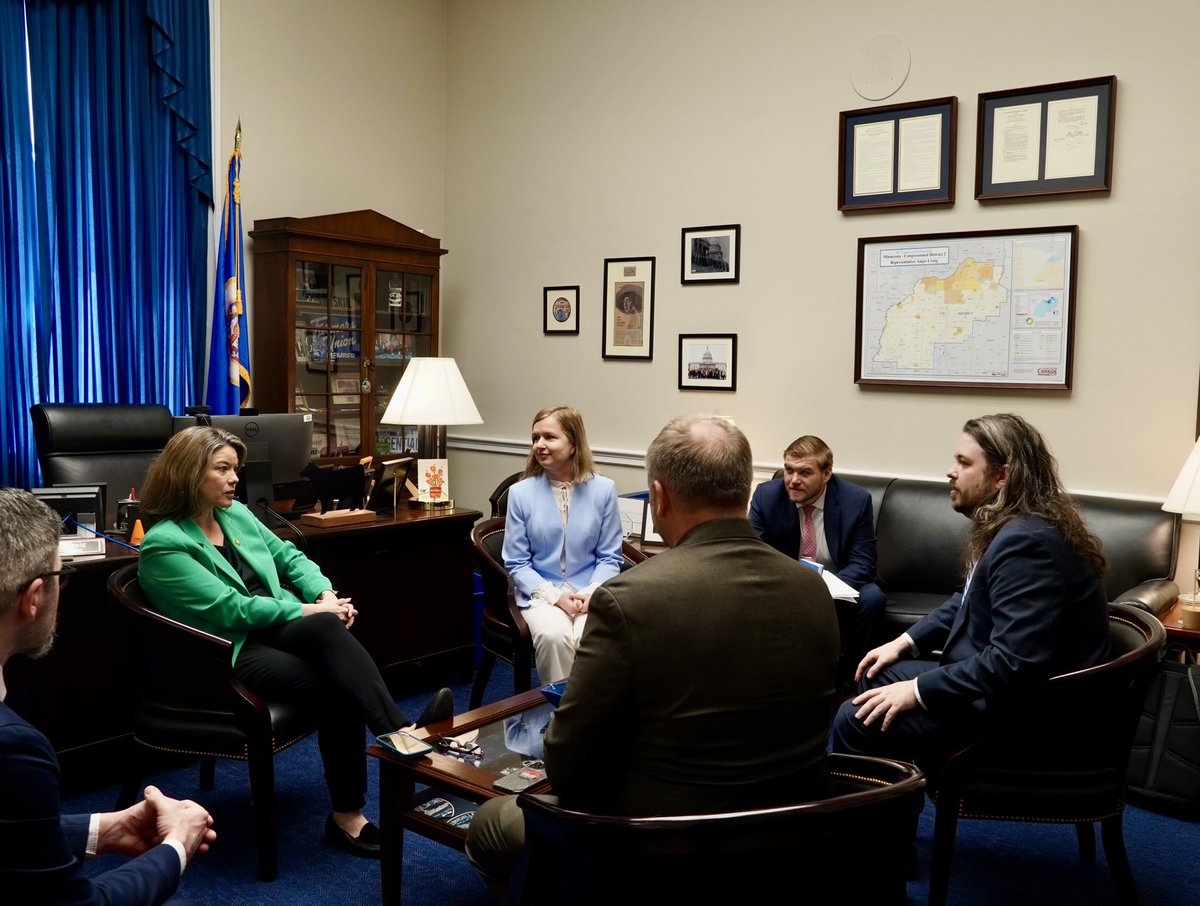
(897, 156)
(346, 390)
(628, 331)
(1047, 140)
(560, 309)
(708, 361)
(993, 308)
(711, 254)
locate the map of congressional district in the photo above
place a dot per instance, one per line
(979, 309)
(945, 312)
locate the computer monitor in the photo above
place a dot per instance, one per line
(278, 448)
(81, 509)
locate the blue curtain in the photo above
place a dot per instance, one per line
(105, 211)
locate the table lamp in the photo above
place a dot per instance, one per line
(432, 392)
(1185, 500)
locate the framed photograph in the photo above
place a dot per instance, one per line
(708, 361)
(346, 390)
(1046, 140)
(897, 156)
(992, 308)
(650, 534)
(711, 254)
(628, 331)
(560, 309)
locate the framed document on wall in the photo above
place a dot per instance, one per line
(628, 331)
(1046, 140)
(897, 156)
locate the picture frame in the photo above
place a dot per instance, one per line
(650, 534)
(901, 155)
(560, 310)
(981, 309)
(628, 325)
(711, 254)
(346, 391)
(1046, 140)
(708, 361)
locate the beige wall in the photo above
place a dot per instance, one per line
(537, 137)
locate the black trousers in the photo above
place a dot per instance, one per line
(315, 661)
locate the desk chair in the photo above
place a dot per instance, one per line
(813, 847)
(211, 716)
(503, 631)
(85, 443)
(499, 498)
(1058, 755)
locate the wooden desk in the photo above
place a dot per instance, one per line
(411, 578)
(1173, 623)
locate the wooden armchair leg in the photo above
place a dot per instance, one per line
(482, 675)
(1086, 835)
(208, 771)
(945, 830)
(1113, 834)
(262, 795)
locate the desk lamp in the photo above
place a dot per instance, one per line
(1185, 500)
(432, 392)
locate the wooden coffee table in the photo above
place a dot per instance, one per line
(443, 775)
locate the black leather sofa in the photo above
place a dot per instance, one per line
(921, 541)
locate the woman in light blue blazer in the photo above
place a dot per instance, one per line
(562, 537)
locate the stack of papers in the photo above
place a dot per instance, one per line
(837, 588)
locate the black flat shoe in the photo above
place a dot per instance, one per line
(440, 707)
(367, 844)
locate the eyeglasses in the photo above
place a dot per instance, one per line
(64, 576)
(448, 745)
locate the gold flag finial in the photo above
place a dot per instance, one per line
(237, 136)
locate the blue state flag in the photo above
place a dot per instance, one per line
(228, 385)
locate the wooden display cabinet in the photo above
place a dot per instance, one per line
(341, 303)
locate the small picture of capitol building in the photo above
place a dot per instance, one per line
(707, 369)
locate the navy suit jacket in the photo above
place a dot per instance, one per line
(1032, 610)
(41, 851)
(849, 526)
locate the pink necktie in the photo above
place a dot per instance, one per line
(808, 540)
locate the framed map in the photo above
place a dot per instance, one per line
(980, 309)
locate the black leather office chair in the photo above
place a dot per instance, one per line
(1058, 755)
(211, 715)
(503, 632)
(85, 443)
(812, 847)
(499, 498)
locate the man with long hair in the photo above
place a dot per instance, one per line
(1032, 605)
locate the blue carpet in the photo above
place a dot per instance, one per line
(995, 863)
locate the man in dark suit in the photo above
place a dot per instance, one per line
(1032, 605)
(840, 517)
(706, 675)
(41, 851)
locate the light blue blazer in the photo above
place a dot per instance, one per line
(533, 535)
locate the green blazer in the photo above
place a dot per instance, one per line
(188, 579)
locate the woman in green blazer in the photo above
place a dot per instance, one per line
(207, 561)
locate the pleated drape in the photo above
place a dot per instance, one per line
(107, 215)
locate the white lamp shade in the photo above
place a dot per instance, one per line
(431, 392)
(1185, 493)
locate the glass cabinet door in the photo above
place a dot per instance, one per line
(403, 327)
(329, 340)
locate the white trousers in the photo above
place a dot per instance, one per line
(555, 638)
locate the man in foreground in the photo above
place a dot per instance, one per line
(1032, 605)
(41, 851)
(812, 514)
(705, 678)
